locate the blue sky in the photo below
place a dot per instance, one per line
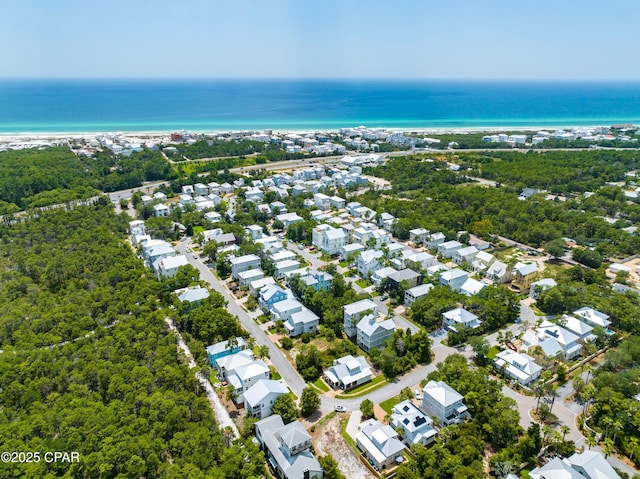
(411, 39)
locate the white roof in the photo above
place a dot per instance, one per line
(525, 269)
(369, 326)
(194, 294)
(442, 393)
(594, 464)
(420, 290)
(593, 316)
(519, 365)
(245, 259)
(173, 262)
(262, 389)
(359, 306)
(472, 286)
(576, 326)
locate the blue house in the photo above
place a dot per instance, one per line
(271, 294)
(223, 348)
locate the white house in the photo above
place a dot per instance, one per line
(417, 292)
(287, 449)
(381, 274)
(368, 261)
(538, 287)
(161, 210)
(337, 202)
(380, 444)
(289, 218)
(418, 235)
(322, 201)
(443, 402)
(303, 321)
(453, 278)
(372, 333)
(448, 248)
(353, 312)
(243, 263)
(518, 366)
(581, 329)
(259, 398)
(416, 426)
(593, 317)
(465, 255)
(434, 239)
(243, 377)
(498, 272)
(348, 372)
(459, 316)
(283, 310)
(567, 340)
(332, 240)
(246, 277)
(168, 267)
(350, 249)
(472, 287)
(285, 266)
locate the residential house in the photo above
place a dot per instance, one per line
(161, 210)
(337, 202)
(416, 426)
(371, 333)
(269, 295)
(518, 366)
(200, 189)
(386, 221)
(555, 469)
(581, 329)
(593, 317)
(287, 449)
(322, 201)
(246, 277)
(282, 255)
(230, 362)
(303, 321)
(255, 231)
(244, 263)
(592, 465)
(418, 260)
(350, 250)
(332, 240)
(538, 287)
(213, 216)
(283, 310)
(285, 266)
(406, 276)
(465, 255)
(523, 275)
(153, 250)
(459, 316)
(418, 235)
(186, 200)
(415, 293)
(472, 287)
(318, 280)
(193, 296)
(498, 272)
(434, 240)
(453, 278)
(567, 340)
(444, 403)
(243, 377)
(353, 312)
(381, 274)
(348, 372)
(316, 234)
(258, 284)
(225, 348)
(288, 219)
(448, 248)
(482, 261)
(254, 194)
(168, 267)
(368, 261)
(259, 398)
(380, 444)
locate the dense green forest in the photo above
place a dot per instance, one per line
(40, 177)
(425, 194)
(120, 396)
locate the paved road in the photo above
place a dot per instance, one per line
(283, 366)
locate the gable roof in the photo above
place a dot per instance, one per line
(262, 389)
(442, 393)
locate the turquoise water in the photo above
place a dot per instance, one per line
(154, 105)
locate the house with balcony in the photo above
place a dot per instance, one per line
(246, 277)
(259, 398)
(465, 255)
(287, 449)
(348, 372)
(454, 278)
(353, 312)
(168, 267)
(416, 426)
(380, 444)
(433, 240)
(406, 276)
(303, 321)
(350, 250)
(593, 317)
(454, 318)
(418, 235)
(243, 377)
(225, 348)
(448, 248)
(368, 261)
(444, 403)
(523, 275)
(371, 333)
(518, 366)
(332, 240)
(568, 341)
(244, 263)
(284, 309)
(415, 293)
(498, 272)
(269, 295)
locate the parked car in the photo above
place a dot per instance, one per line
(340, 409)
(418, 395)
(384, 297)
(300, 246)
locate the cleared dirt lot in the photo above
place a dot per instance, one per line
(328, 440)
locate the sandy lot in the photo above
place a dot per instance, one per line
(328, 440)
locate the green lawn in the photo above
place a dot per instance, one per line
(320, 384)
(493, 352)
(343, 264)
(363, 283)
(389, 403)
(198, 229)
(364, 388)
(275, 375)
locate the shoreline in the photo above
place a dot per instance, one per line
(6, 137)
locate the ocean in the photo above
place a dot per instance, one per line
(57, 106)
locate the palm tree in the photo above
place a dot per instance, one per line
(608, 447)
(564, 429)
(607, 422)
(633, 443)
(553, 394)
(539, 392)
(617, 425)
(546, 433)
(591, 441)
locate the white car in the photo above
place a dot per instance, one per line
(339, 409)
(418, 395)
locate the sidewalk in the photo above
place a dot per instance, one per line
(354, 421)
